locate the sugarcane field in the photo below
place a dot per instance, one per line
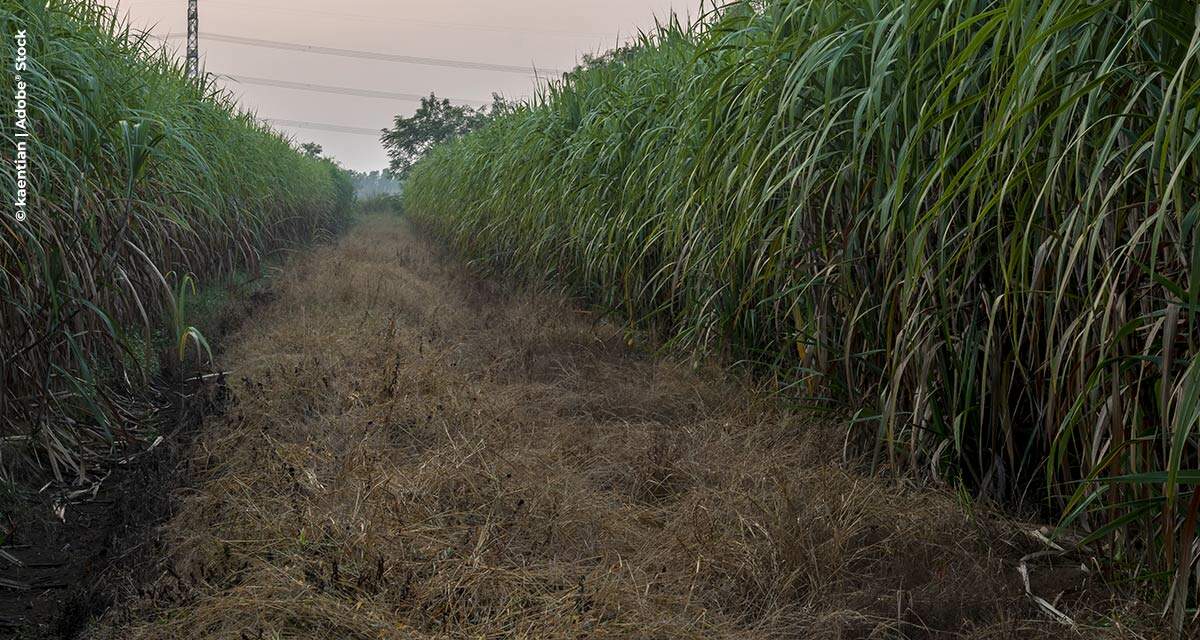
(606, 319)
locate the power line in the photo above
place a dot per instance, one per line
(374, 55)
(321, 126)
(376, 19)
(347, 91)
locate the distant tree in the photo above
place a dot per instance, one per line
(620, 54)
(374, 183)
(312, 149)
(434, 122)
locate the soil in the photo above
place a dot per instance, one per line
(83, 547)
(75, 545)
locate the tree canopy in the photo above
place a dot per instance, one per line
(312, 149)
(435, 121)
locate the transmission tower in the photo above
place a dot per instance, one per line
(193, 45)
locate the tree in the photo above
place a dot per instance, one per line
(312, 149)
(434, 122)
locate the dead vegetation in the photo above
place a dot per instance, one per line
(415, 453)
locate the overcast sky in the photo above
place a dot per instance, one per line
(545, 33)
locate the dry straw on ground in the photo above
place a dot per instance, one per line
(416, 453)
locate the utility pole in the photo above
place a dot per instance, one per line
(193, 45)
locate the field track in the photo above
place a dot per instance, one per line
(413, 452)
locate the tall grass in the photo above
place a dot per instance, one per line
(977, 219)
(142, 179)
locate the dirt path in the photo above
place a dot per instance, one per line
(415, 453)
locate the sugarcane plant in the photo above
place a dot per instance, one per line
(972, 224)
(134, 171)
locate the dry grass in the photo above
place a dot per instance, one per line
(415, 453)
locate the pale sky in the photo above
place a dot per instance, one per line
(546, 33)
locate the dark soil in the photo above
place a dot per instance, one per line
(87, 548)
(75, 567)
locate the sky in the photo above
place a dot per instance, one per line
(548, 34)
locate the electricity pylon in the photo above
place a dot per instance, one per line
(193, 45)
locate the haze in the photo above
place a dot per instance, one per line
(545, 33)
